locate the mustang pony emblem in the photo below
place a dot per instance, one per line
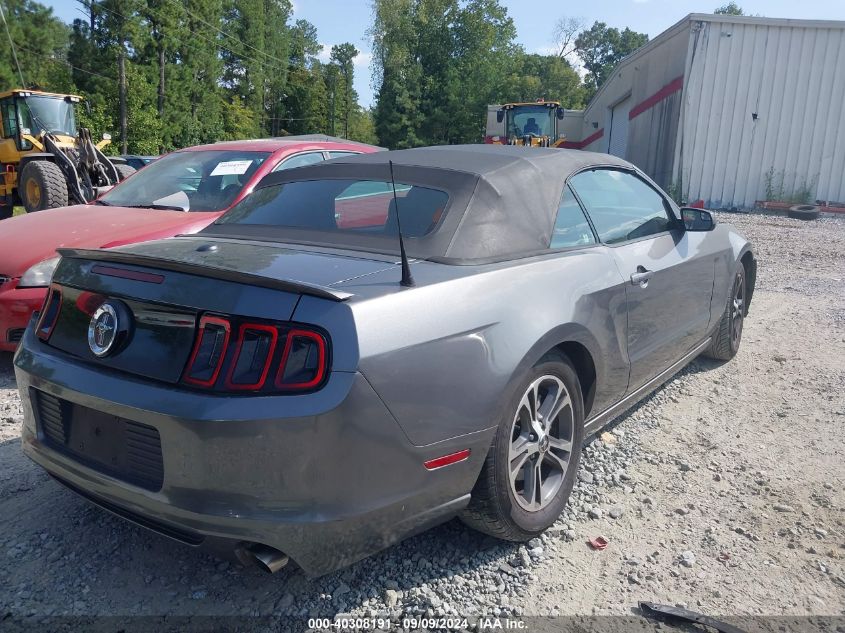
(103, 329)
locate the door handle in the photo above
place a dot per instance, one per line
(641, 277)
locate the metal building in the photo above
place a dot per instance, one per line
(730, 110)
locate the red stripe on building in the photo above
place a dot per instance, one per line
(582, 144)
(669, 89)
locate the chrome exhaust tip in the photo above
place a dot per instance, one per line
(264, 557)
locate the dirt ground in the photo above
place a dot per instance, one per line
(723, 492)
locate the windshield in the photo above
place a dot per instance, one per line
(343, 205)
(536, 120)
(51, 114)
(205, 180)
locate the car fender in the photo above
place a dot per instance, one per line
(556, 337)
(738, 248)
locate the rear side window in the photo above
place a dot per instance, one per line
(621, 205)
(300, 160)
(571, 226)
(364, 206)
(339, 154)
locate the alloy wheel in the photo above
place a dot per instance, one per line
(541, 443)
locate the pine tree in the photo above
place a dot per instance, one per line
(40, 43)
(343, 55)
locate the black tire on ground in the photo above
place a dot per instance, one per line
(6, 211)
(803, 212)
(123, 171)
(45, 179)
(493, 508)
(728, 335)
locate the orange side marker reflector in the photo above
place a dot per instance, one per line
(453, 458)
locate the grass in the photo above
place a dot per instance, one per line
(18, 211)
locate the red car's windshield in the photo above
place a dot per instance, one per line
(205, 180)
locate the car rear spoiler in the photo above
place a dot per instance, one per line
(202, 270)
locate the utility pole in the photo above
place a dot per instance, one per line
(121, 87)
(331, 100)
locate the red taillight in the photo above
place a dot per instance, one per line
(253, 354)
(230, 355)
(49, 313)
(209, 351)
(303, 363)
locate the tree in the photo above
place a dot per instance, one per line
(162, 20)
(433, 22)
(40, 44)
(565, 33)
(601, 48)
(306, 103)
(731, 8)
(277, 41)
(195, 88)
(343, 55)
(484, 50)
(362, 127)
(544, 76)
(396, 74)
(120, 28)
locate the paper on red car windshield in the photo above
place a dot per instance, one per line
(231, 167)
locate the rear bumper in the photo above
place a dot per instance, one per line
(327, 478)
(16, 308)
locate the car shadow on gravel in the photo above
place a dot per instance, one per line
(7, 371)
(102, 565)
(698, 366)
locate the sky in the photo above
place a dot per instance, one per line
(340, 21)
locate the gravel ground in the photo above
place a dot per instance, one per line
(722, 492)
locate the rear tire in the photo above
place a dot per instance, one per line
(42, 185)
(531, 440)
(728, 335)
(123, 171)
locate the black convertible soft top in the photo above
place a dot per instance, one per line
(503, 200)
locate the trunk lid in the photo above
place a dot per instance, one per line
(161, 291)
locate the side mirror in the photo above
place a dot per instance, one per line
(697, 219)
(560, 113)
(500, 116)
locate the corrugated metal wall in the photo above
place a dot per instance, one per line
(650, 80)
(791, 75)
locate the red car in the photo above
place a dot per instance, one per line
(182, 192)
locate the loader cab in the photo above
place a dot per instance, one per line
(534, 124)
(56, 115)
(22, 110)
(10, 122)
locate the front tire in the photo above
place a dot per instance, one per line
(123, 171)
(728, 335)
(530, 470)
(42, 185)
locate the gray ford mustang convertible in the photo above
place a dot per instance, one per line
(286, 385)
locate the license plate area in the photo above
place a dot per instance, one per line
(109, 444)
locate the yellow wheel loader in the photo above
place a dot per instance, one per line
(534, 124)
(45, 162)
